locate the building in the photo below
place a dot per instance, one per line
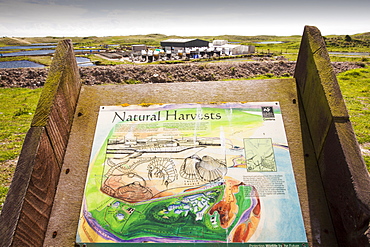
(138, 48)
(238, 49)
(232, 49)
(219, 42)
(183, 43)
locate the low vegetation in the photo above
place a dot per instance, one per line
(99, 60)
(17, 105)
(44, 60)
(287, 46)
(355, 86)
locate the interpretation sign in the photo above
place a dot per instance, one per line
(191, 173)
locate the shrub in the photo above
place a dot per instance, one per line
(132, 81)
(348, 38)
(233, 69)
(22, 111)
(353, 73)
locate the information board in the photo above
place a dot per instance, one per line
(191, 173)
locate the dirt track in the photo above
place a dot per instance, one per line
(35, 77)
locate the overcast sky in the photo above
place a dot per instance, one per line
(69, 18)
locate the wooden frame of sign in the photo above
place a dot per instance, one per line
(43, 204)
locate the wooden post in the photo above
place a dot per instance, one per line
(327, 129)
(27, 208)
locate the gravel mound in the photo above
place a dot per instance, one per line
(188, 72)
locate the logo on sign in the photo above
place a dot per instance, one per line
(268, 113)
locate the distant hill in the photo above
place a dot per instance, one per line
(155, 39)
(362, 36)
(13, 41)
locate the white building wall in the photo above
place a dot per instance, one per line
(238, 49)
(219, 42)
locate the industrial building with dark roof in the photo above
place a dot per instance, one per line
(184, 43)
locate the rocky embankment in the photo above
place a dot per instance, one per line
(189, 72)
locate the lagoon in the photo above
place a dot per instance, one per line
(270, 42)
(39, 52)
(350, 53)
(81, 61)
(20, 64)
(27, 53)
(6, 48)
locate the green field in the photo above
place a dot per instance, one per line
(288, 47)
(16, 111)
(17, 105)
(355, 86)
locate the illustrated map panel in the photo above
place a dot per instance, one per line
(191, 173)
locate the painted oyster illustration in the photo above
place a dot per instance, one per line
(206, 168)
(188, 170)
(210, 169)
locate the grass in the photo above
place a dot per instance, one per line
(288, 48)
(355, 86)
(17, 106)
(45, 60)
(98, 60)
(359, 59)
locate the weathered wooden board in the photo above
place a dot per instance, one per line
(14, 205)
(345, 185)
(39, 197)
(26, 212)
(58, 99)
(317, 83)
(330, 134)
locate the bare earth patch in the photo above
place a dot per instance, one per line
(365, 149)
(7, 169)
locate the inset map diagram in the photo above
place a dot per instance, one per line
(259, 154)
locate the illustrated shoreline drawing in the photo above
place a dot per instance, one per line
(191, 173)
